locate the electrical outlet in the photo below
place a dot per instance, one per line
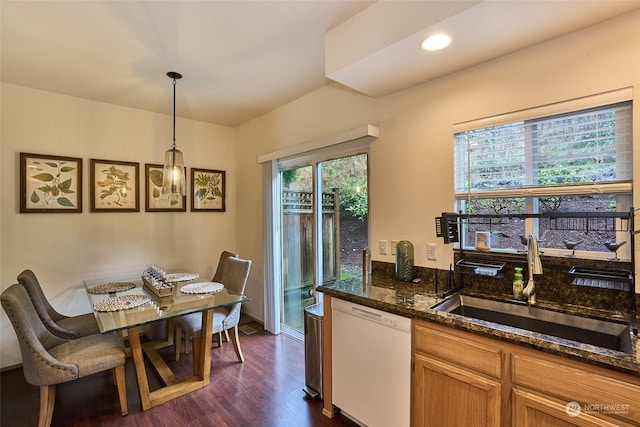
(394, 243)
(432, 251)
(383, 247)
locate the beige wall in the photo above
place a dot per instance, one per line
(411, 163)
(65, 249)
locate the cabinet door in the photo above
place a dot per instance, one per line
(533, 410)
(574, 381)
(447, 396)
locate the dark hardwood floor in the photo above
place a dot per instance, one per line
(266, 390)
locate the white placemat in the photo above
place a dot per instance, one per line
(107, 288)
(121, 302)
(181, 277)
(202, 288)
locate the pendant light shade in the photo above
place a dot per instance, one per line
(173, 176)
(173, 173)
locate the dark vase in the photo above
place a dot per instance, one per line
(404, 261)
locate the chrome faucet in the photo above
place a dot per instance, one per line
(534, 266)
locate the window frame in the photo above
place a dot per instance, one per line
(622, 189)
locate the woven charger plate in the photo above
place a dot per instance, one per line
(181, 277)
(121, 302)
(202, 288)
(107, 288)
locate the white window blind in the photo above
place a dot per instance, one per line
(577, 152)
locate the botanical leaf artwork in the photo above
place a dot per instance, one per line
(208, 187)
(115, 186)
(155, 176)
(55, 183)
(154, 200)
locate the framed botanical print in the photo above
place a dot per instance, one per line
(114, 186)
(207, 190)
(153, 200)
(50, 184)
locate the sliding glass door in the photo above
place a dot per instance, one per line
(324, 229)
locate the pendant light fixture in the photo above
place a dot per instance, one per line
(173, 176)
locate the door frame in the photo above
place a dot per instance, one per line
(272, 190)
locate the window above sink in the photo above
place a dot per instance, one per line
(573, 156)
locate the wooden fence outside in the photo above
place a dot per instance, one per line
(297, 238)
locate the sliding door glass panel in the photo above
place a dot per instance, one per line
(344, 217)
(297, 246)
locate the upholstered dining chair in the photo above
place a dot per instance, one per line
(48, 359)
(234, 278)
(69, 327)
(217, 277)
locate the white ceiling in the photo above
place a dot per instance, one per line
(241, 59)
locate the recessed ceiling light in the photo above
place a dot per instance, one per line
(436, 42)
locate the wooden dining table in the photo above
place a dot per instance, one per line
(128, 321)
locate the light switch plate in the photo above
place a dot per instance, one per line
(432, 251)
(383, 247)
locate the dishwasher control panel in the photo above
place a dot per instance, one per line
(378, 316)
(394, 323)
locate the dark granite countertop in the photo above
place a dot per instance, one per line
(415, 300)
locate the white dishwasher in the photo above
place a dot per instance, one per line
(371, 364)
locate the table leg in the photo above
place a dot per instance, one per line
(203, 367)
(173, 388)
(170, 332)
(138, 364)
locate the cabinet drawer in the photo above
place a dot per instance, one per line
(447, 344)
(572, 382)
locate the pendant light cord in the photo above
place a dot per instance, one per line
(174, 114)
(174, 76)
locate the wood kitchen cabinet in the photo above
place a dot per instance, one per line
(544, 385)
(457, 382)
(462, 378)
(449, 396)
(532, 409)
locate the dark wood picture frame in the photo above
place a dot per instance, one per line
(208, 190)
(114, 186)
(50, 184)
(153, 186)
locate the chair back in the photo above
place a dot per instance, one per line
(217, 277)
(234, 278)
(40, 368)
(46, 312)
(235, 274)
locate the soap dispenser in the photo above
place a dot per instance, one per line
(518, 284)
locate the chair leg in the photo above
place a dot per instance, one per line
(47, 400)
(226, 334)
(235, 340)
(121, 383)
(220, 339)
(177, 342)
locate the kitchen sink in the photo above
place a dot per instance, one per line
(601, 333)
